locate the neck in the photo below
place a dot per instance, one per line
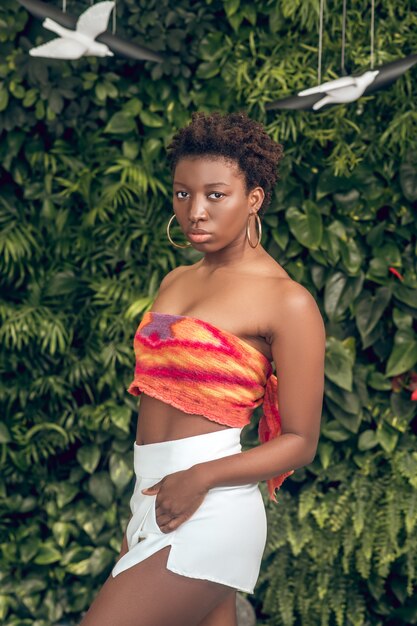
(233, 257)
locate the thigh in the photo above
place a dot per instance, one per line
(148, 594)
(224, 614)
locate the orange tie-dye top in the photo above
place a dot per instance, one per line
(199, 368)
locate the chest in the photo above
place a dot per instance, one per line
(238, 304)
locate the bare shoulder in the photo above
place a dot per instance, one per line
(292, 304)
(169, 278)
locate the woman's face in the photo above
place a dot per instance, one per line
(210, 194)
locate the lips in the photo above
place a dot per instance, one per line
(198, 231)
(198, 237)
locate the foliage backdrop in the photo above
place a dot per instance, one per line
(84, 204)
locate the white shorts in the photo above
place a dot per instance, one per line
(223, 540)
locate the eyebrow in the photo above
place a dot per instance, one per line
(177, 182)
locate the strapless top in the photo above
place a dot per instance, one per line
(201, 369)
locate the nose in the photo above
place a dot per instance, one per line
(197, 210)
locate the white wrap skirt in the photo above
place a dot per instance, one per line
(223, 540)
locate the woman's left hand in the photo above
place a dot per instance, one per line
(178, 496)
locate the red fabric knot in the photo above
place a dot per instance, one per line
(270, 427)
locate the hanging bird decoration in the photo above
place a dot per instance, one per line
(86, 35)
(347, 88)
(73, 44)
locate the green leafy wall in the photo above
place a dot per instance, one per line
(84, 203)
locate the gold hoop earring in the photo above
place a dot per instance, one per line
(259, 228)
(177, 245)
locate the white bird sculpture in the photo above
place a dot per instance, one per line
(347, 88)
(341, 90)
(73, 44)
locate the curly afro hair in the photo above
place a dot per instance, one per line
(233, 136)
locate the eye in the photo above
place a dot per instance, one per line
(217, 193)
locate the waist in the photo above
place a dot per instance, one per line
(155, 460)
(160, 421)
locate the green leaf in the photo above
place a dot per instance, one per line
(347, 201)
(100, 91)
(5, 436)
(121, 470)
(370, 309)
(130, 149)
(28, 548)
(91, 524)
(250, 12)
(390, 253)
(132, 107)
(339, 292)
(346, 401)
(405, 294)
(367, 440)
(47, 554)
(402, 358)
(39, 110)
(121, 417)
(62, 532)
(75, 554)
(403, 410)
(65, 493)
(112, 90)
(352, 257)
(56, 102)
(151, 119)
(30, 434)
(30, 584)
(307, 226)
(4, 606)
(151, 148)
(328, 183)
(378, 381)
(99, 561)
(208, 69)
(387, 437)
(120, 123)
(212, 46)
(77, 564)
(325, 452)
(350, 421)
(101, 488)
(231, 6)
(88, 457)
(335, 431)
(408, 181)
(338, 364)
(4, 99)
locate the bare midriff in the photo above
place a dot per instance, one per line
(159, 421)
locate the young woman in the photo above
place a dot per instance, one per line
(203, 363)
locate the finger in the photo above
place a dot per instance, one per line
(164, 519)
(154, 488)
(170, 525)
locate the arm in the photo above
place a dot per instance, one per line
(298, 347)
(124, 548)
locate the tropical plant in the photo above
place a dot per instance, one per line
(84, 204)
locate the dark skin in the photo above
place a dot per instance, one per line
(242, 290)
